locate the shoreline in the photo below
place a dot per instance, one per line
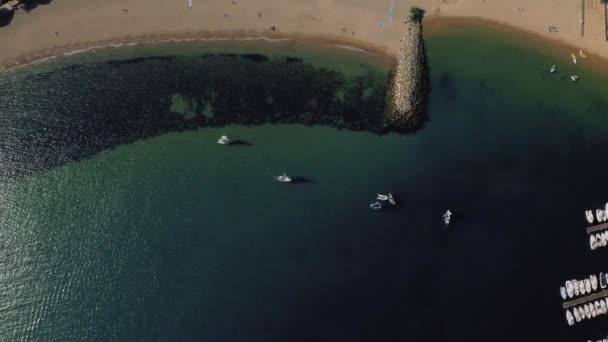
(67, 50)
(433, 25)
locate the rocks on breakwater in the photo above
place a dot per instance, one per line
(409, 82)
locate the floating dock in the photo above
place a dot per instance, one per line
(586, 299)
(597, 228)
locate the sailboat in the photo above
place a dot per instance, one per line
(284, 178)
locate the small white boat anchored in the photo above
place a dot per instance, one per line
(375, 206)
(569, 289)
(603, 283)
(576, 287)
(581, 312)
(574, 78)
(592, 242)
(573, 58)
(447, 217)
(388, 197)
(599, 215)
(284, 178)
(589, 215)
(587, 285)
(569, 318)
(553, 69)
(593, 279)
(562, 291)
(577, 315)
(224, 140)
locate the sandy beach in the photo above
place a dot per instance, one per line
(68, 25)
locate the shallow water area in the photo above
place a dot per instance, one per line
(171, 236)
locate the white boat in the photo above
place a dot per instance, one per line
(604, 239)
(598, 307)
(589, 214)
(391, 199)
(224, 140)
(587, 311)
(382, 197)
(587, 285)
(581, 312)
(592, 242)
(603, 283)
(553, 69)
(562, 292)
(581, 287)
(580, 53)
(447, 217)
(375, 206)
(599, 215)
(573, 58)
(574, 78)
(284, 178)
(592, 309)
(576, 289)
(577, 316)
(593, 279)
(569, 289)
(604, 307)
(569, 318)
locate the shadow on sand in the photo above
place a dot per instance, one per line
(6, 19)
(32, 4)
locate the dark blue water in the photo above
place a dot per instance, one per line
(112, 233)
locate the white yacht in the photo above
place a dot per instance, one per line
(592, 309)
(603, 283)
(569, 289)
(581, 287)
(592, 242)
(581, 312)
(284, 178)
(224, 140)
(593, 279)
(587, 285)
(562, 292)
(589, 214)
(577, 316)
(553, 69)
(375, 206)
(569, 318)
(391, 199)
(576, 287)
(604, 239)
(604, 307)
(587, 311)
(574, 78)
(599, 215)
(382, 197)
(598, 308)
(447, 217)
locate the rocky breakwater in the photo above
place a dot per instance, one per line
(409, 82)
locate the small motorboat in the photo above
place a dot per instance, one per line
(581, 312)
(553, 69)
(562, 292)
(604, 307)
(224, 140)
(598, 307)
(589, 214)
(592, 242)
(284, 178)
(381, 197)
(580, 53)
(599, 215)
(575, 287)
(592, 309)
(391, 199)
(573, 58)
(587, 285)
(574, 78)
(603, 283)
(581, 287)
(375, 206)
(569, 318)
(587, 311)
(577, 316)
(593, 280)
(569, 289)
(447, 217)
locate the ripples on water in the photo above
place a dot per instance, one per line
(177, 238)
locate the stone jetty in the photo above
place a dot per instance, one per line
(408, 81)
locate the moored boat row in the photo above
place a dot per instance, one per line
(587, 311)
(601, 215)
(598, 240)
(574, 288)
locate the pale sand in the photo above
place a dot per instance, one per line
(66, 25)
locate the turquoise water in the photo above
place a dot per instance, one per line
(174, 237)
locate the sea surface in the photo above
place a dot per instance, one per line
(121, 219)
